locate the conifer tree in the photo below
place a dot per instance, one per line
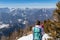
(56, 19)
(54, 25)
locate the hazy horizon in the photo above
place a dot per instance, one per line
(28, 3)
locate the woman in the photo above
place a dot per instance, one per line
(37, 31)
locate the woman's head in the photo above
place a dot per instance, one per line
(37, 22)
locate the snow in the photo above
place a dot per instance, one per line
(25, 22)
(11, 9)
(10, 21)
(46, 36)
(23, 15)
(46, 15)
(19, 20)
(28, 37)
(15, 14)
(4, 26)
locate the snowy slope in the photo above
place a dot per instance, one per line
(4, 26)
(28, 37)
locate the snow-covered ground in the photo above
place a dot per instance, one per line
(28, 37)
(4, 26)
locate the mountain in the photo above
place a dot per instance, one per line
(18, 18)
(11, 16)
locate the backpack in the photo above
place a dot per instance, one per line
(37, 33)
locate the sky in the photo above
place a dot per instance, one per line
(28, 3)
